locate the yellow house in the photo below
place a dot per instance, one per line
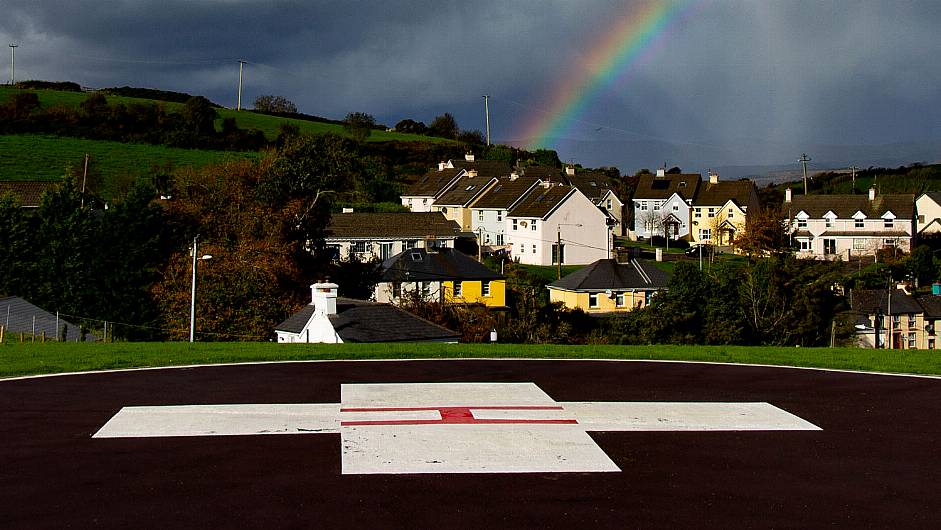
(720, 209)
(440, 275)
(607, 286)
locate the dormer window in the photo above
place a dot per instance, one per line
(802, 223)
(682, 184)
(416, 256)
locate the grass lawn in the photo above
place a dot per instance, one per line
(51, 357)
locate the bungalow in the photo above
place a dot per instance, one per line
(552, 215)
(440, 275)
(329, 319)
(382, 235)
(607, 286)
(662, 204)
(720, 210)
(831, 226)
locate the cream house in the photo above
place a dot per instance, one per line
(720, 210)
(928, 211)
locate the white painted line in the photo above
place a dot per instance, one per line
(471, 449)
(222, 420)
(692, 416)
(442, 395)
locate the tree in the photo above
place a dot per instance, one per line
(359, 125)
(199, 116)
(275, 104)
(766, 232)
(474, 137)
(411, 127)
(444, 126)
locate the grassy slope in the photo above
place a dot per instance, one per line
(22, 359)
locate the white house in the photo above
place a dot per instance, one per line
(382, 235)
(549, 213)
(332, 320)
(422, 194)
(832, 226)
(597, 186)
(488, 214)
(928, 209)
(663, 204)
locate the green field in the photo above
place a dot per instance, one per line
(246, 120)
(35, 358)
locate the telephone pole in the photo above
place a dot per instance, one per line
(487, 110)
(803, 160)
(239, 104)
(13, 47)
(853, 169)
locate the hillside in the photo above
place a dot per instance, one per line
(914, 179)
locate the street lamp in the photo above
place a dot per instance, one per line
(193, 291)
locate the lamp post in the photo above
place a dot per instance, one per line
(193, 289)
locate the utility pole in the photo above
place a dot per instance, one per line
(803, 160)
(13, 47)
(853, 169)
(480, 244)
(84, 178)
(558, 252)
(239, 104)
(487, 110)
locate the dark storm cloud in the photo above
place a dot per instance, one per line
(732, 73)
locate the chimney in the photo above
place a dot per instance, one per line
(442, 165)
(570, 170)
(787, 195)
(472, 173)
(872, 193)
(546, 184)
(469, 157)
(661, 172)
(713, 177)
(323, 296)
(514, 175)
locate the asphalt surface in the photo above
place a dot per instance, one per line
(875, 464)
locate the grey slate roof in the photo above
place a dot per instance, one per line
(650, 186)
(592, 183)
(540, 201)
(443, 264)
(21, 320)
(465, 190)
(844, 206)
(931, 305)
(484, 168)
(607, 274)
(872, 301)
(362, 321)
(547, 173)
(391, 225)
(27, 192)
(432, 183)
(506, 192)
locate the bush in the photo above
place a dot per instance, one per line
(679, 243)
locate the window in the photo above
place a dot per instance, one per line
(805, 244)
(889, 242)
(676, 207)
(896, 321)
(592, 300)
(802, 223)
(458, 288)
(487, 238)
(410, 204)
(609, 204)
(911, 340)
(499, 239)
(480, 215)
(930, 344)
(409, 244)
(859, 244)
(522, 248)
(619, 299)
(534, 249)
(359, 246)
(888, 223)
(829, 246)
(532, 226)
(385, 251)
(514, 224)
(705, 234)
(485, 288)
(829, 221)
(698, 213)
(656, 206)
(859, 223)
(643, 206)
(499, 215)
(424, 202)
(712, 212)
(730, 215)
(921, 219)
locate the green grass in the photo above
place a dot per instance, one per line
(546, 273)
(269, 125)
(51, 357)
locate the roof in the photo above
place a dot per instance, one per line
(593, 184)
(465, 190)
(27, 192)
(607, 274)
(22, 314)
(933, 195)
(721, 192)
(362, 321)
(443, 264)
(550, 173)
(873, 301)
(931, 305)
(391, 225)
(651, 186)
(485, 168)
(540, 201)
(507, 191)
(432, 183)
(844, 206)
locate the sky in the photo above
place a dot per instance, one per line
(712, 83)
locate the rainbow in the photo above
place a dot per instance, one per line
(622, 46)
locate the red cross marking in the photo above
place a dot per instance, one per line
(450, 415)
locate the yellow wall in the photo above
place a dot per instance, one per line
(471, 293)
(713, 223)
(606, 304)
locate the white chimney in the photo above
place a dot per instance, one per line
(661, 172)
(569, 170)
(323, 296)
(469, 157)
(872, 193)
(787, 195)
(514, 175)
(442, 165)
(472, 173)
(713, 177)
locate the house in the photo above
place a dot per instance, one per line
(598, 188)
(607, 286)
(440, 275)
(720, 210)
(19, 316)
(928, 210)
(550, 215)
(455, 203)
(913, 320)
(382, 235)
(27, 193)
(488, 214)
(329, 319)
(832, 226)
(422, 194)
(663, 203)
